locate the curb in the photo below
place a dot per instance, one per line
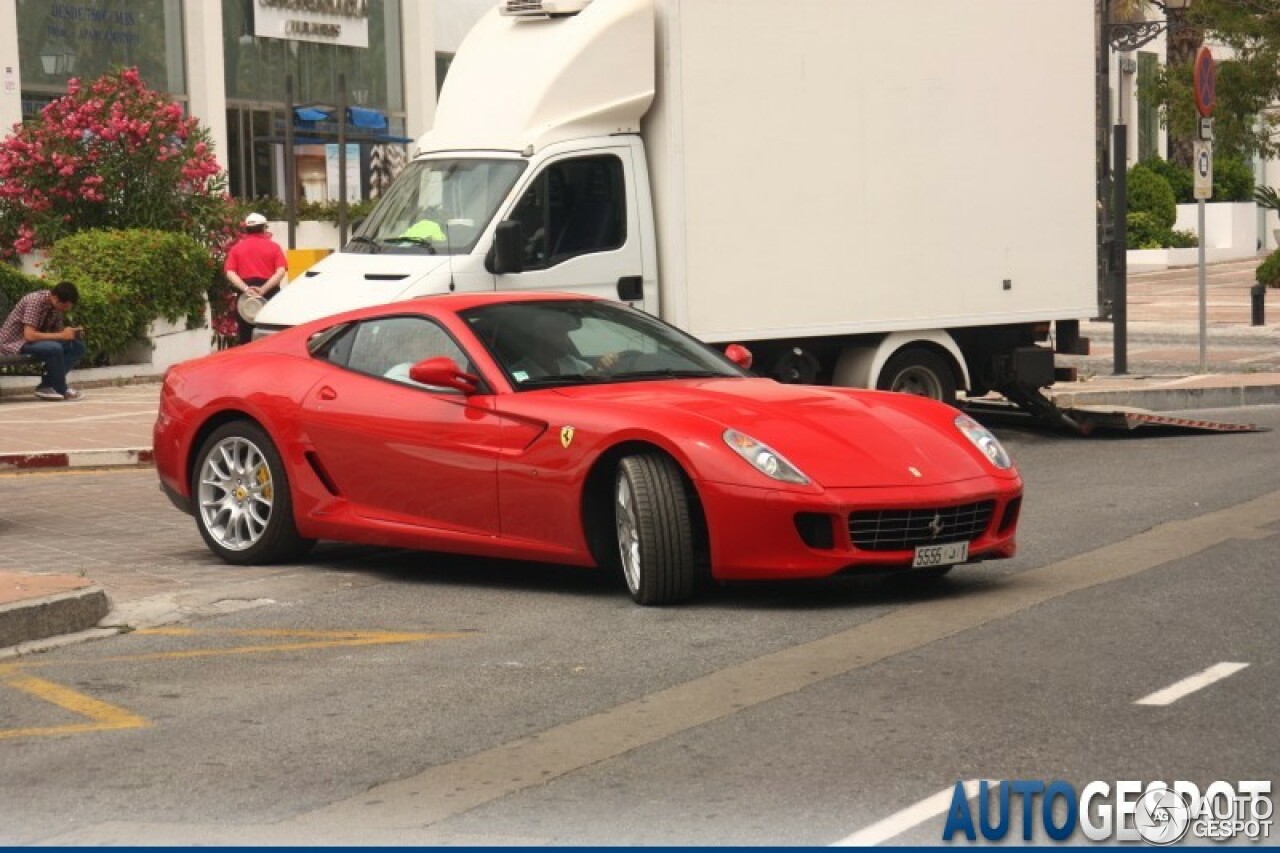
(130, 457)
(52, 615)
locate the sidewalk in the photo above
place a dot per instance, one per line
(111, 426)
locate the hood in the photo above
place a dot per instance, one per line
(839, 438)
(347, 280)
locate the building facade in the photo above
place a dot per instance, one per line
(246, 67)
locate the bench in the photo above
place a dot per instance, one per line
(17, 360)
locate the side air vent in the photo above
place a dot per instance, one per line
(542, 8)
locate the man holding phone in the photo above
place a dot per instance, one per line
(37, 327)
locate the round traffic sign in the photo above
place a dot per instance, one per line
(1204, 78)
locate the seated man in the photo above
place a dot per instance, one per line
(550, 352)
(36, 327)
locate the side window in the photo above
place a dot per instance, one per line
(573, 207)
(387, 347)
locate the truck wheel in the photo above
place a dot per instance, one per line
(919, 371)
(655, 531)
(244, 510)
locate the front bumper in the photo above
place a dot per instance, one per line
(771, 534)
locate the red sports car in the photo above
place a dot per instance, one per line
(572, 430)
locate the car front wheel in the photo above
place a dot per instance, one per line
(243, 505)
(655, 529)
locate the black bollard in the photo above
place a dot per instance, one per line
(1258, 305)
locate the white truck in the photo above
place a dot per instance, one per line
(869, 193)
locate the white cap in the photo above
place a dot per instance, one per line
(254, 219)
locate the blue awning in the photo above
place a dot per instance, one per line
(313, 114)
(366, 118)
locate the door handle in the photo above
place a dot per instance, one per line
(327, 393)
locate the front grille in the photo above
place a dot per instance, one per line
(900, 529)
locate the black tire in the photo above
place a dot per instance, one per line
(654, 530)
(920, 371)
(240, 494)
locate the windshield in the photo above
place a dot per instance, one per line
(437, 207)
(575, 342)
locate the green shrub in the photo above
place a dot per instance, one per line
(1143, 232)
(1232, 180)
(1183, 239)
(1150, 193)
(1269, 271)
(128, 280)
(1181, 179)
(15, 284)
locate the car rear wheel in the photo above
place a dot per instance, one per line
(919, 371)
(244, 510)
(655, 530)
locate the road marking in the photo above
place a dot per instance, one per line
(102, 716)
(445, 790)
(311, 640)
(1191, 684)
(105, 717)
(912, 816)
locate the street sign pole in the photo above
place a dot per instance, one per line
(1204, 83)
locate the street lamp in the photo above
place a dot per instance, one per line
(1123, 37)
(58, 60)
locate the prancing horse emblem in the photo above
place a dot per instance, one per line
(935, 526)
(566, 436)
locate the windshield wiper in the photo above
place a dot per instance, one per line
(425, 242)
(367, 241)
(562, 379)
(669, 373)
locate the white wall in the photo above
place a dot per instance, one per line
(10, 96)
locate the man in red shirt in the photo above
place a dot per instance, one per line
(36, 327)
(256, 266)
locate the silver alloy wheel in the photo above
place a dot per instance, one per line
(624, 510)
(236, 493)
(918, 380)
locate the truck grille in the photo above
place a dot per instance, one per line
(542, 8)
(900, 529)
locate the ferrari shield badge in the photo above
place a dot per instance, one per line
(566, 436)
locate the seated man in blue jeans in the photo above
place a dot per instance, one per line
(37, 327)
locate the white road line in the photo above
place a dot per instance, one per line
(1191, 684)
(899, 822)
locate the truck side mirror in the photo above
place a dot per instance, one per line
(506, 255)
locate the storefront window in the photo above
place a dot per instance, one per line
(256, 67)
(88, 38)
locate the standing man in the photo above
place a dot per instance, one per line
(256, 266)
(36, 327)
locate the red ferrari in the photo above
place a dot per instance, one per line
(572, 430)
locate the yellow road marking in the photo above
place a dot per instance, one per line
(103, 716)
(314, 640)
(106, 717)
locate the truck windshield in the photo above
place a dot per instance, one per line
(437, 207)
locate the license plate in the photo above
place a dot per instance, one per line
(940, 555)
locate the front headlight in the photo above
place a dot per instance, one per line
(764, 458)
(984, 441)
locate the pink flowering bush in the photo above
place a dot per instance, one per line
(113, 154)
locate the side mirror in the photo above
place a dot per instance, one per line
(442, 372)
(506, 255)
(739, 355)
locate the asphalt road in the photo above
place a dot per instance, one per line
(391, 697)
